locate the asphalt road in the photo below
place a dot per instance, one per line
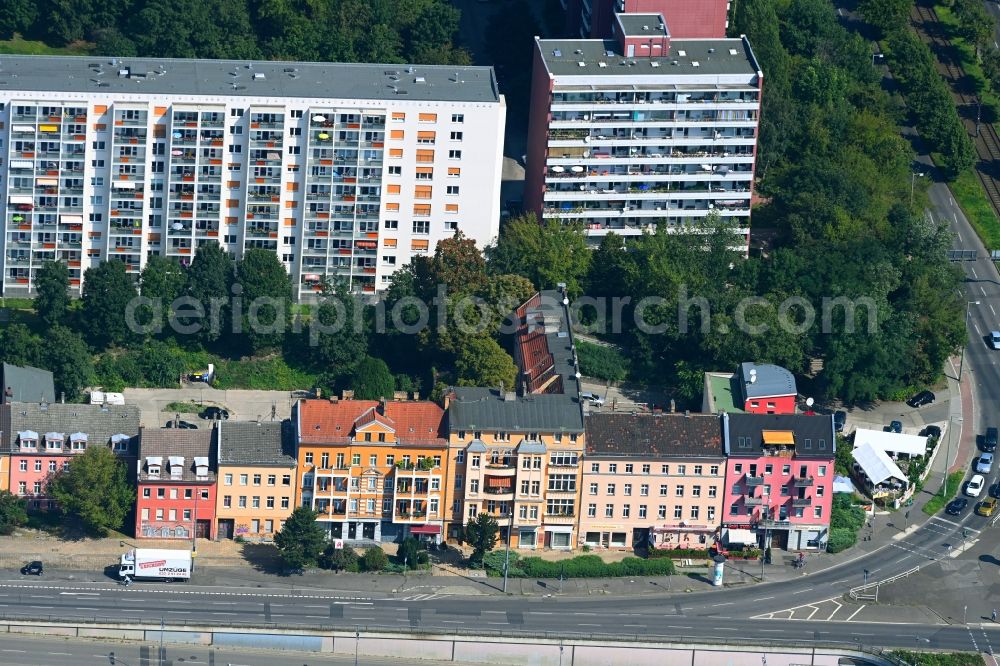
(42, 651)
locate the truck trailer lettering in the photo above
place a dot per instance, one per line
(153, 564)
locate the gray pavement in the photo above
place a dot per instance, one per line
(242, 405)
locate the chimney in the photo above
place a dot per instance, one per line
(673, 406)
(687, 413)
(381, 406)
(62, 397)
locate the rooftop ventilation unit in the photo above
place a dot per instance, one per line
(695, 63)
(557, 53)
(682, 53)
(602, 64)
(654, 64)
(258, 76)
(581, 64)
(733, 52)
(419, 79)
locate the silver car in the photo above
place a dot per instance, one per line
(985, 463)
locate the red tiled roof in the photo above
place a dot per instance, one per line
(322, 421)
(536, 360)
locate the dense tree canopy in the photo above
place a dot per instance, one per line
(95, 489)
(418, 31)
(107, 293)
(52, 292)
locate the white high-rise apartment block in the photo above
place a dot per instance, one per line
(629, 133)
(341, 169)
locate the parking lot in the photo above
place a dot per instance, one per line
(242, 405)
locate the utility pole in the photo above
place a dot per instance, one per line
(506, 555)
(160, 653)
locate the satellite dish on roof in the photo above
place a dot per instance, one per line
(809, 402)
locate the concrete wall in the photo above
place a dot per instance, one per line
(447, 647)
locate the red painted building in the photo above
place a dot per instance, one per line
(686, 19)
(779, 480)
(176, 484)
(43, 438)
(756, 388)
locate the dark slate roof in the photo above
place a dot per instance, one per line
(28, 384)
(813, 434)
(256, 443)
(487, 409)
(166, 442)
(654, 435)
(5, 438)
(772, 380)
(98, 422)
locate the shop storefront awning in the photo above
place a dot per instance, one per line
(660, 529)
(425, 529)
(731, 536)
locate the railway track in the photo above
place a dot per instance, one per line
(987, 142)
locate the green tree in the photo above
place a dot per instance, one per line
(19, 346)
(374, 559)
(13, 512)
(339, 339)
(69, 359)
(267, 297)
(481, 534)
(95, 489)
(17, 16)
(107, 293)
(886, 15)
(339, 559)
(546, 254)
(408, 552)
(52, 292)
(301, 540)
(161, 365)
(483, 362)
(210, 279)
(164, 280)
(977, 25)
(372, 380)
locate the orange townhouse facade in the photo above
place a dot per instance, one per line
(374, 471)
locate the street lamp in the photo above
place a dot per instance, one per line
(913, 177)
(961, 365)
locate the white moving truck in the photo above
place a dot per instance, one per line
(156, 564)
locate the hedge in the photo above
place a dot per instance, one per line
(686, 553)
(582, 566)
(841, 538)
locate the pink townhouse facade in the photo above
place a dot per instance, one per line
(43, 438)
(652, 481)
(779, 480)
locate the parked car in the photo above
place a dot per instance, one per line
(896, 426)
(985, 463)
(181, 425)
(987, 507)
(34, 568)
(593, 398)
(990, 440)
(215, 414)
(839, 420)
(995, 339)
(956, 506)
(995, 490)
(921, 399)
(932, 431)
(975, 485)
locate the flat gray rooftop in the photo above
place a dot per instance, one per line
(714, 57)
(238, 78)
(636, 25)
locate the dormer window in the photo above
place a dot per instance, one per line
(201, 468)
(119, 443)
(54, 441)
(153, 466)
(176, 467)
(28, 440)
(78, 441)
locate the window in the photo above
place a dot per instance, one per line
(628, 489)
(822, 470)
(562, 482)
(695, 510)
(24, 465)
(663, 490)
(768, 469)
(271, 478)
(455, 172)
(645, 469)
(428, 117)
(536, 487)
(454, 154)
(284, 502)
(398, 117)
(559, 507)
(524, 486)
(286, 480)
(161, 493)
(682, 469)
(474, 460)
(228, 479)
(173, 493)
(626, 510)
(711, 513)
(244, 478)
(356, 459)
(609, 510)
(786, 469)
(713, 491)
(172, 514)
(738, 468)
(613, 468)
(697, 470)
(456, 136)
(593, 489)
(395, 171)
(145, 492)
(159, 514)
(734, 509)
(243, 501)
(452, 190)
(38, 465)
(642, 510)
(679, 491)
(644, 490)
(820, 490)
(595, 467)
(591, 510)
(373, 460)
(256, 479)
(629, 468)
(474, 485)
(563, 459)
(664, 469)
(270, 503)
(695, 491)
(661, 511)
(611, 489)
(737, 489)
(421, 226)
(678, 512)
(458, 118)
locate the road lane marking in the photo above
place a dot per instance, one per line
(808, 589)
(64, 654)
(728, 603)
(855, 613)
(992, 310)
(973, 272)
(634, 625)
(763, 598)
(90, 609)
(773, 631)
(585, 624)
(43, 607)
(447, 621)
(982, 289)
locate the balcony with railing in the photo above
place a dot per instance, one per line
(754, 481)
(800, 502)
(802, 481)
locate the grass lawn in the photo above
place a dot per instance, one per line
(970, 196)
(183, 407)
(21, 46)
(938, 502)
(940, 659)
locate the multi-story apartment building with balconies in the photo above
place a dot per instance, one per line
(688, 19)
(373, 471)
(779, 479)
(344, 170)
(652, 481)
(517, 458)
(643, 130)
